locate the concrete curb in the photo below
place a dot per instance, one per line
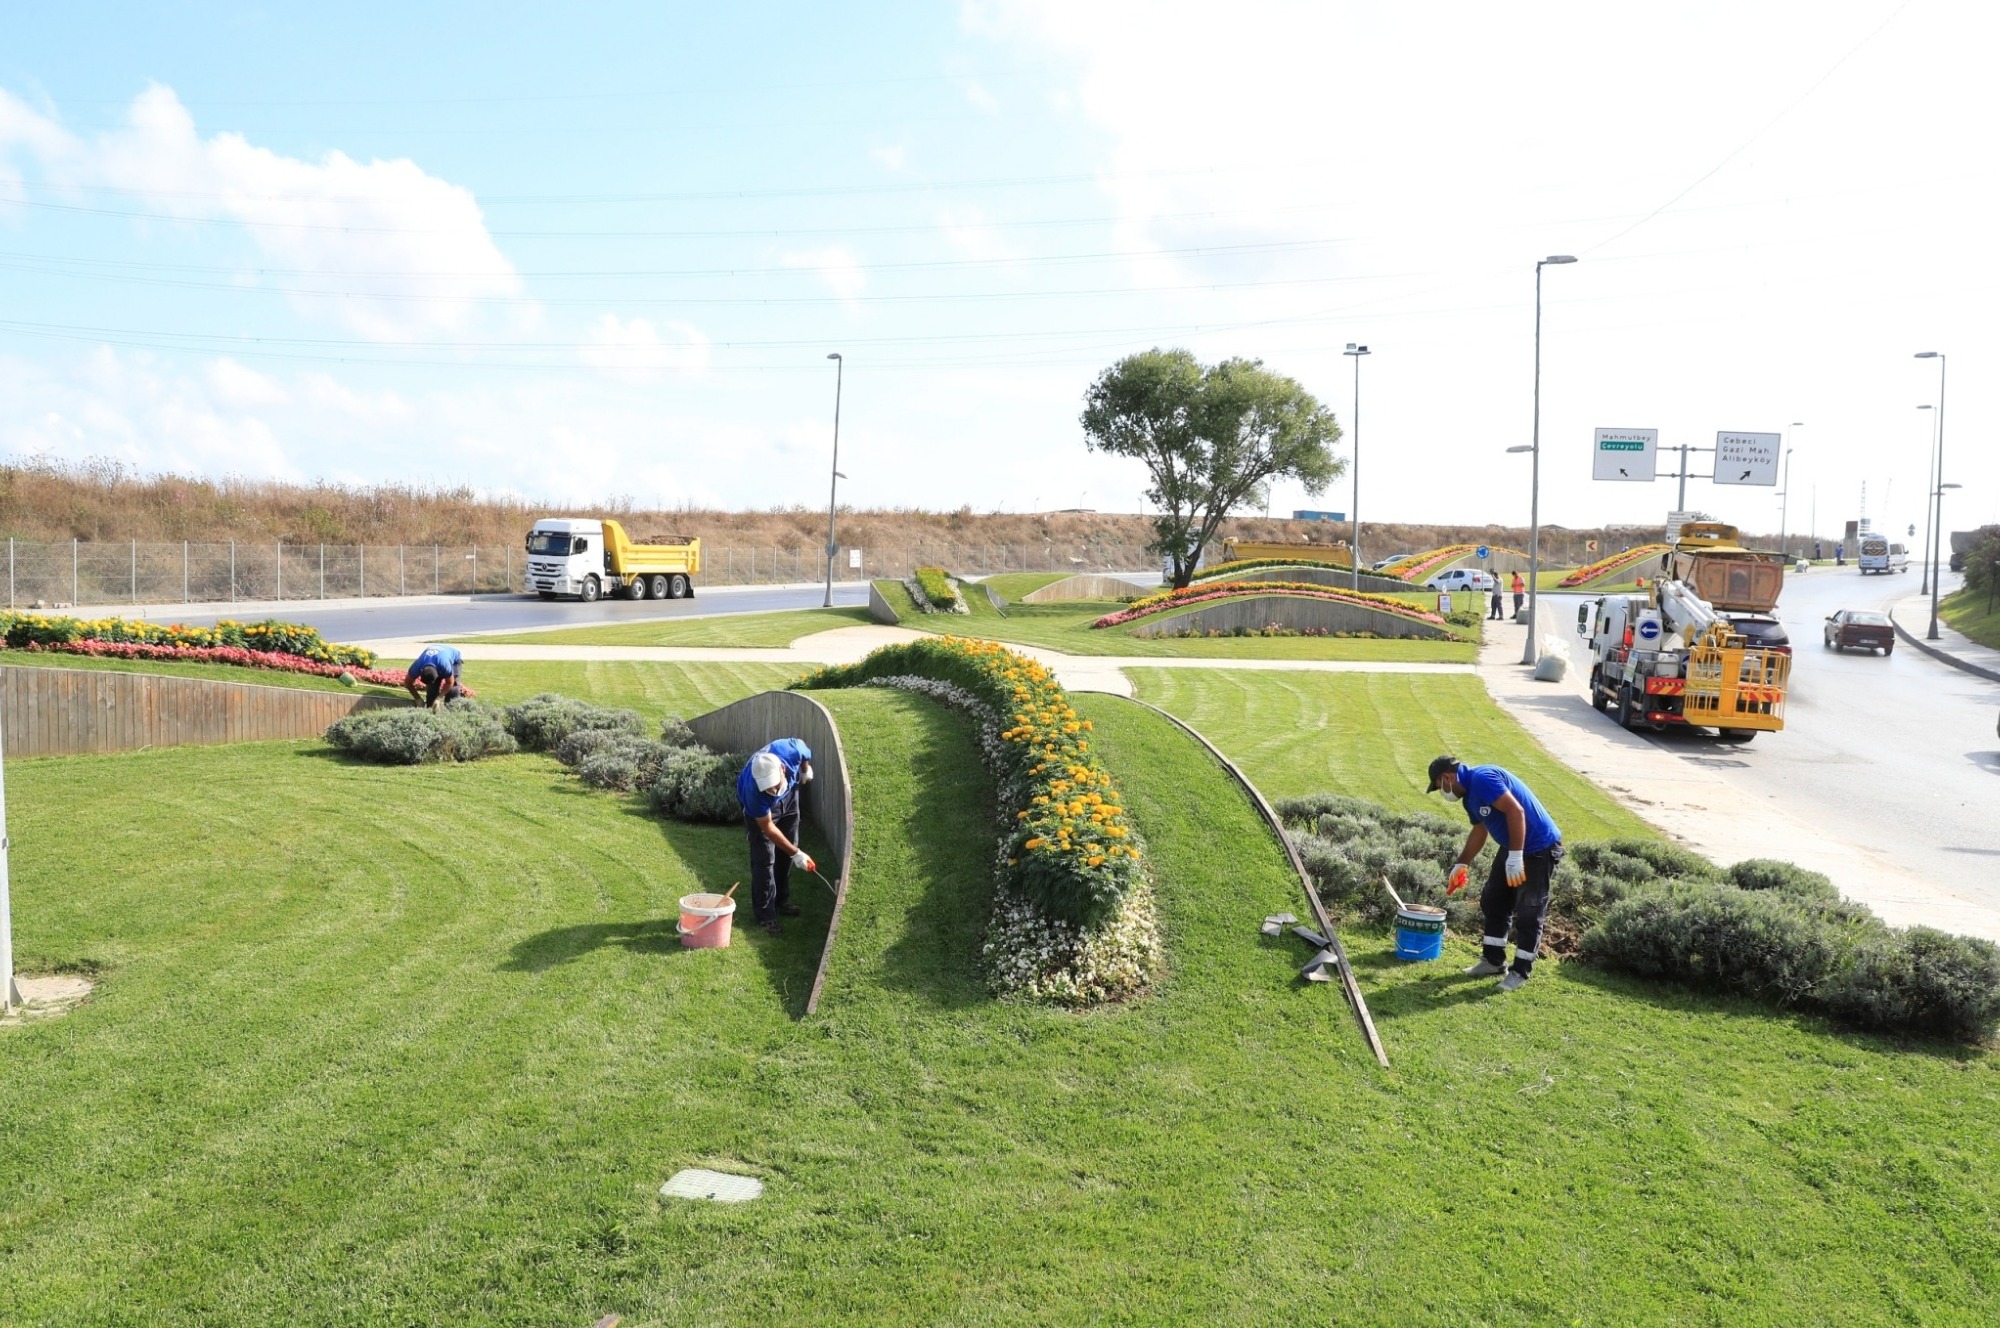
(1942, 656)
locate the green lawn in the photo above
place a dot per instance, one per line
(663, 688)
(734, 629)
(347, 1068)
(1012, 585)
(1065, 626)
(21, 659)
(1372, 735)
(1966, 611)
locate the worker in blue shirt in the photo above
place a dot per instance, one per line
(440, 670)
(768, 791)
(1503, 808)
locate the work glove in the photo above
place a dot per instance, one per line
(806, 775)
(1517, 868)
(803, 861)
(1460, 876)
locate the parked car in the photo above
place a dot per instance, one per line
(1462, 578)
(1859, 627)
(1759, 630)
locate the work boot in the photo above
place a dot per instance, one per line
(1514, 982)
(1482, 969)
(789, 910)
(773, 926)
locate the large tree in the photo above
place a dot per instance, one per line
(1212, 437)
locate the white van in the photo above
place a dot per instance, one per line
(1879, 554)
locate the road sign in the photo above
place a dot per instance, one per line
(854, 559)
(1649, 630)
(1484, 552)
(1747, 458)
(1590, 546)
(1625, 454)
(1675, 520)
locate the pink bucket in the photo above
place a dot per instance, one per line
(705, 919)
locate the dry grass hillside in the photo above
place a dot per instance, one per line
(103, 502)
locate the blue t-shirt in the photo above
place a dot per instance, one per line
(758, 804)
(446, 659)
(1483, 785)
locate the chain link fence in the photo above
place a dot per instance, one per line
(45, 574)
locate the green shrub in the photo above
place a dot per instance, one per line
(1713, 935)
(540, 723)
(937, 588)
(674, 732)
(1919, 981)
(697, 785)
(1770, 874)
(464, 730)
(584, 743)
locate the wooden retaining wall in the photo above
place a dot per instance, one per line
(828, 802)
(63, 712)
(1296, 612)
(1085, 586)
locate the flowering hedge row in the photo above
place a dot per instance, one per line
(937, 588)
(1616, 562)
(1223, 570)
(1420, 565)
(22, 630)
(1069, 850)
(237, 655)
(1207, 593)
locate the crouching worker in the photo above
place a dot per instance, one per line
(768, 790)
(440, 671)
(1517, 889)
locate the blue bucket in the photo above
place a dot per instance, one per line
(1419, 932)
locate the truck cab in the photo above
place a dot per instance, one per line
(566, 557)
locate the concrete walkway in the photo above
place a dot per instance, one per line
(1699, 806)
(845, 645)
(1912, 616)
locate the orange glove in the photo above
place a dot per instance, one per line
(1460, 877)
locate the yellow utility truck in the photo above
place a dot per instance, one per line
(591, 558)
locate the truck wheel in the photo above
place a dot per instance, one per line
(680, 588)
(1597, 696)
(591, 590)
(637, 590)
(1625, 705)
(662, 588)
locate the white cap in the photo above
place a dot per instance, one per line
(768, 772)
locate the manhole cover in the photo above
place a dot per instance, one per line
(720, 1186)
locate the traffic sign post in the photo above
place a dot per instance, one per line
(1482, 553)
(1625, 454)
(1747, 458)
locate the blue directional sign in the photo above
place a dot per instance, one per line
(1649, 630)
(1484, 551)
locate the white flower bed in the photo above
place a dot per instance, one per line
(1028, 953)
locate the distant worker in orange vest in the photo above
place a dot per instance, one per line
(1520, 592)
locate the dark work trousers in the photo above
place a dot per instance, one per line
(1496, 614)
(1525, 905)
(770, 870)
(445, 684)
(1519, 599)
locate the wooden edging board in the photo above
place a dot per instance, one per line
(748, 724)
(1348, 984)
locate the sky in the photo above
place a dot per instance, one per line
(587, 253)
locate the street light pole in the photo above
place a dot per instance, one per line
(1785, 498)
(1354, 554)
(1535, 489)
(833, 483)
(1924, 549)
(1937, 499)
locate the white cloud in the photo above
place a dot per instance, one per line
(383, 247)
(635, 350)
(235, 385)
(841, 270)
(969, 233)
(889, 158)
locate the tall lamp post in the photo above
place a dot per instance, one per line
(1924, 549)
(833, 484)
(1937, 498)
(1354, 554)
(1535, 448)
(1785, 498)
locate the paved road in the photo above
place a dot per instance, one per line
(439, 618)
(1897, 756)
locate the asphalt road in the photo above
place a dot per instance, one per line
(439, 618)
(1897, 755)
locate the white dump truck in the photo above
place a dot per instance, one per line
(590, 557)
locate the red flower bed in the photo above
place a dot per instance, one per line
(237, 655)
(1617, 561)
(1202, 594)
(1418, 566)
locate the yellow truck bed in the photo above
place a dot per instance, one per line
(627, 557)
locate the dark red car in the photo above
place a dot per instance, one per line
(1858, 627)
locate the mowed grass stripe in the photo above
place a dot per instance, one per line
(719, 630)
(1372, 735)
